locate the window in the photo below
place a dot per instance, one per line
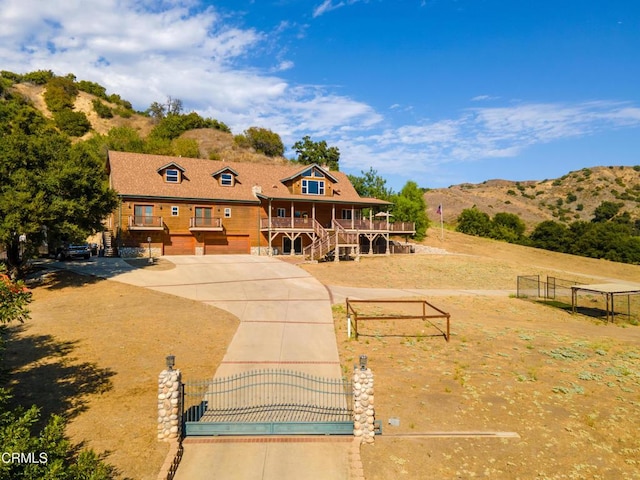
(203, 217)
(313, 187)
(226, 180)
(143, 215)
(281, 212)
(346, 214)
(312, 172)
(172, 175)
(174, 211)
(227, 213)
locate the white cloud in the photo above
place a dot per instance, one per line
(329, 5)
(483, 98)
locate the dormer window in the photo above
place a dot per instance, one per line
(172, 175)
(226, 180)
(226, 177)
(312, 187)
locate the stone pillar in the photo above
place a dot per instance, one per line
(169, 405)
(363, 408)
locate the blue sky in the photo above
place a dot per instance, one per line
(437, 91)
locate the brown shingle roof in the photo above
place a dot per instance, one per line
(137, 174)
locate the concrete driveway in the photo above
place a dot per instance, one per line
(285, 322)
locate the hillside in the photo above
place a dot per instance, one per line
(571, 197)
(212, 143)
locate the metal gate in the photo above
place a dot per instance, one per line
(268, 402)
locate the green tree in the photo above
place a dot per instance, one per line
(185, 147)
(60, 94)
(474, 222)
(310, 152)
(38, 77)
(101, 109)
(410, 206)
(264, 141)
(174, 125)
(72, 123)
(606, 211)
(508, 227)
(49, 185)
(371, 185)
(551, 235)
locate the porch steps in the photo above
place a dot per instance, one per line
(109, 249)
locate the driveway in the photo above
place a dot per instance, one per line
(285, 322)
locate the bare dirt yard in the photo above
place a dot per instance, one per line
(563, 389)
(92, 351)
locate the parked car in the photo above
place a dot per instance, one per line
(74, 251)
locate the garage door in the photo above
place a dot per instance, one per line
(180, 245)
(226, 244)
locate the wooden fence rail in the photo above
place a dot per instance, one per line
(353, 316)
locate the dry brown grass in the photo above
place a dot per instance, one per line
(567, 385)
(93, 350)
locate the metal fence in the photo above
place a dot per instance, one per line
(532, 286)
(269, 395)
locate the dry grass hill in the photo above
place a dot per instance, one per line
(210, 141)
(571, 197)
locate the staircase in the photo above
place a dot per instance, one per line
(322, 245)
(109, 249)
(325, 242)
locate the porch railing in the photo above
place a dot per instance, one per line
(376, 225)
(205, 222)
(287, 223)
(145, 221)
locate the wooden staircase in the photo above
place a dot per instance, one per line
(322, 245)
(326, 243)
(109, 248)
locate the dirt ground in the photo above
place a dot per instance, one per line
(568, 386)
(564, 389)
(92, 351)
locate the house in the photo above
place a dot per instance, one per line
(189, 206)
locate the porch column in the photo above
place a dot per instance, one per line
(270, 253)
(333, 214)
(292, 213)
(353, 214)
(370, 218)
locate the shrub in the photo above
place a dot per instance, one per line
(39, 77)
(101, 109)
(93, 89)
(60, 94)
(72, 123)
(265, 141)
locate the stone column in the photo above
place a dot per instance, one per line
(169, 405)
(363, 408)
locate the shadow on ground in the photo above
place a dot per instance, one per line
(42, 371)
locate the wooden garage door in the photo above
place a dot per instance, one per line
(226, 244)
(180, 245)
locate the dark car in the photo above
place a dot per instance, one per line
(74, 251)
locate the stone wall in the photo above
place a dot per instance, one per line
(169, 405)
(139, 252)
(363, 407)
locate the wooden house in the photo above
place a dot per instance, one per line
(189, 206)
